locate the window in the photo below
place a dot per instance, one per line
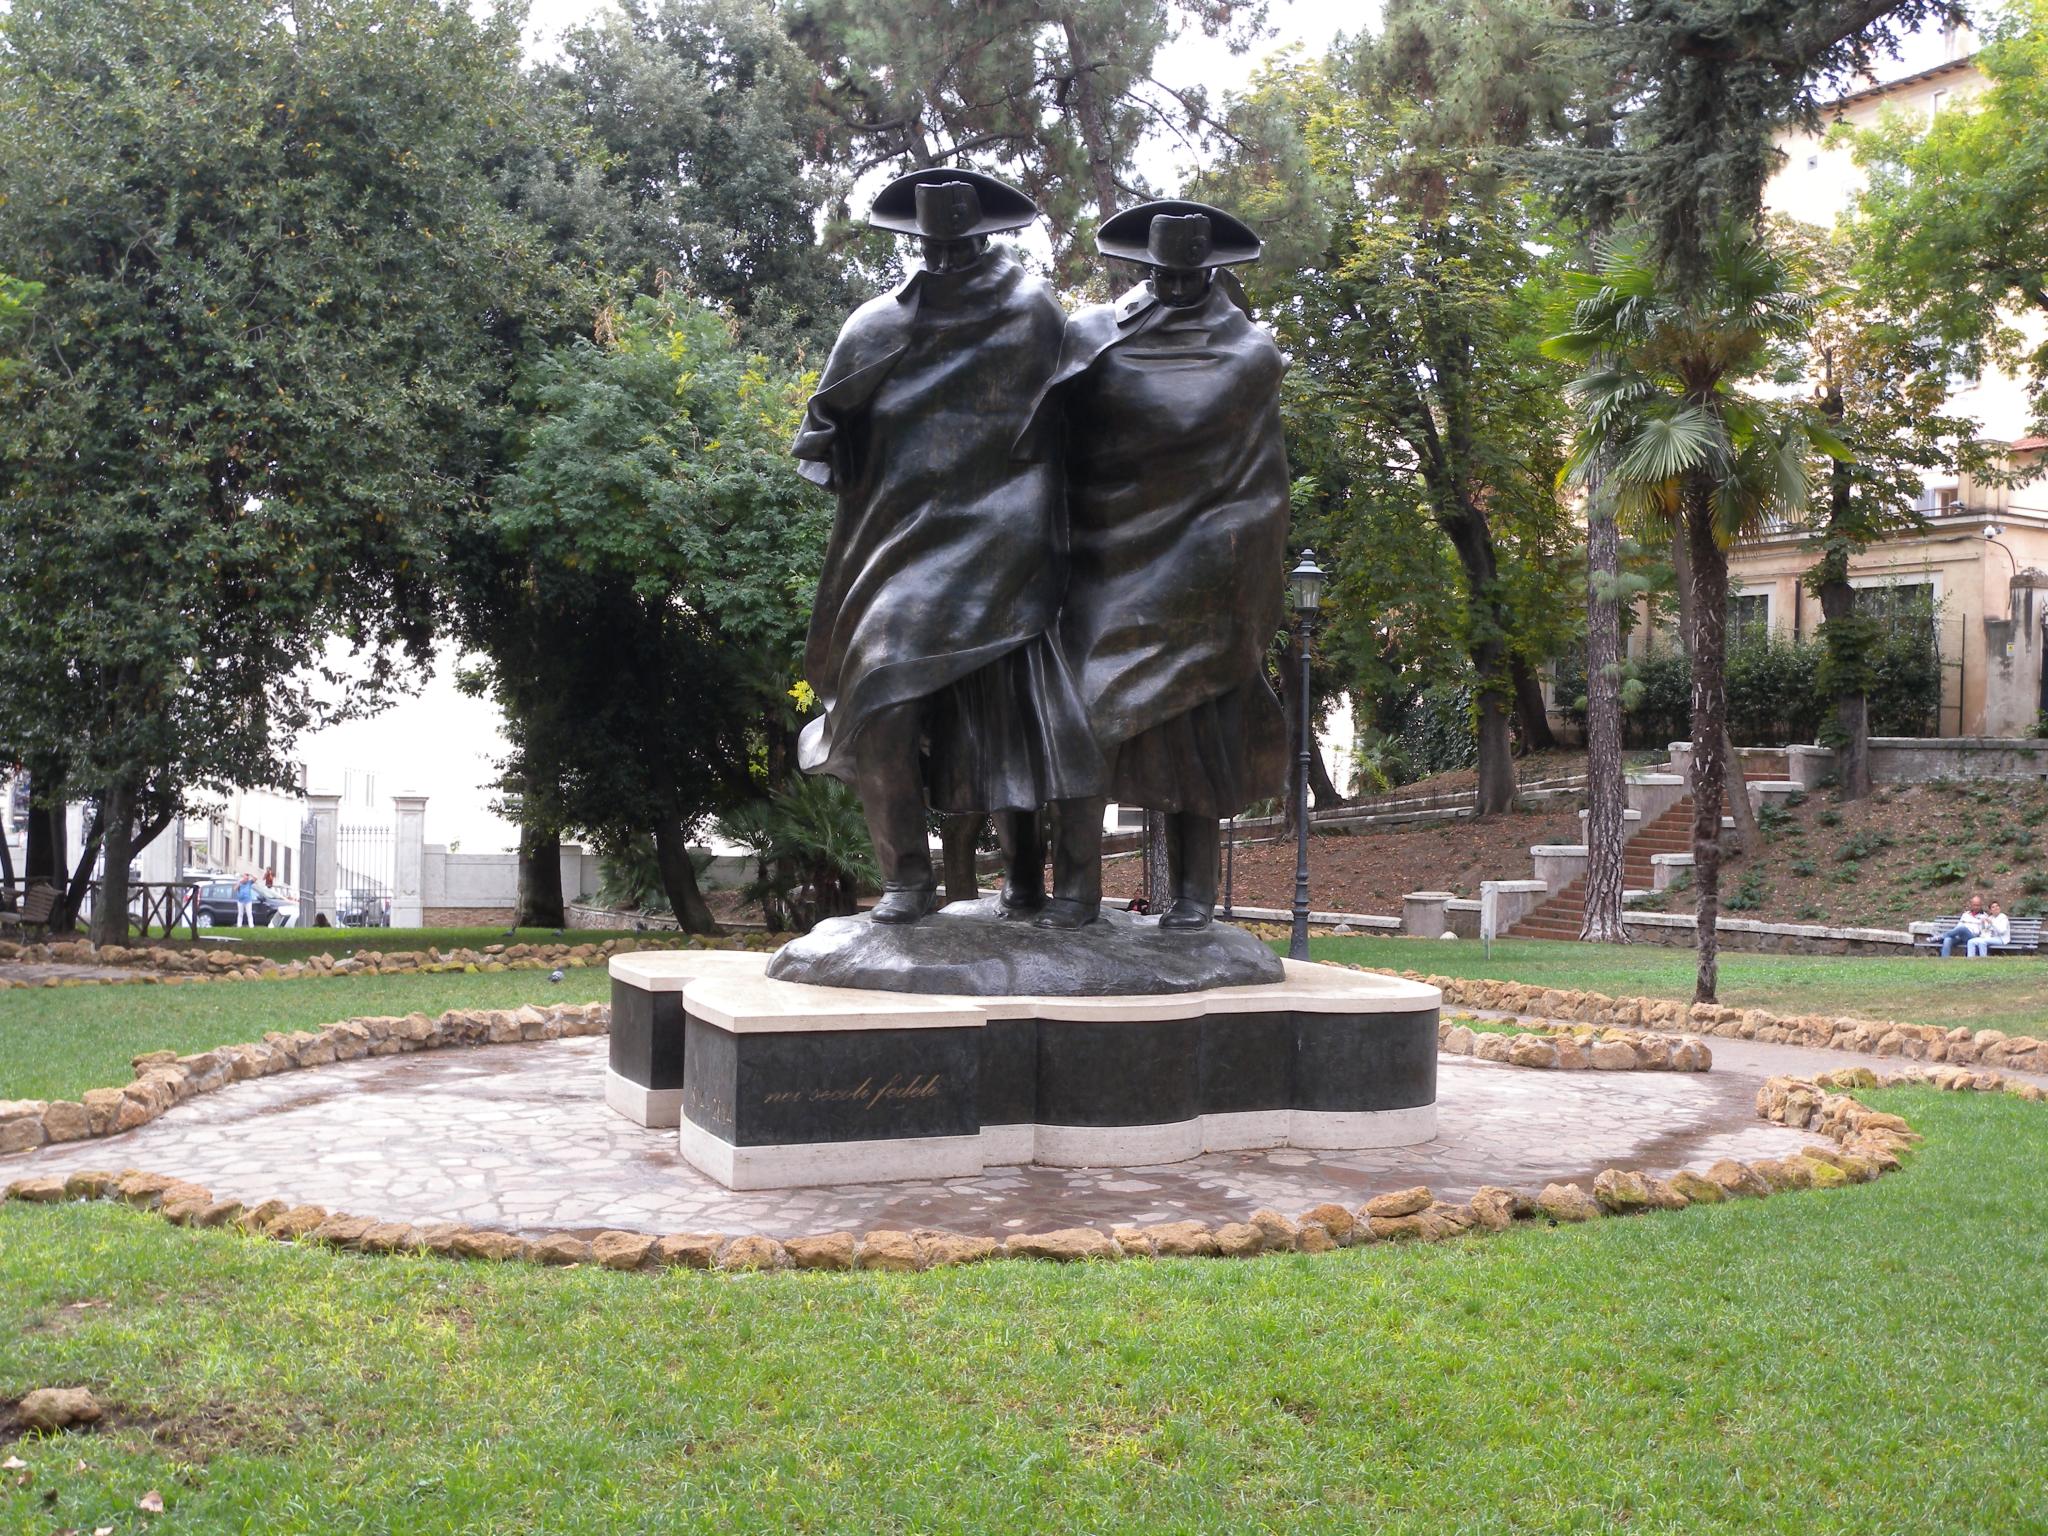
(1899, 605)
(1749, 617)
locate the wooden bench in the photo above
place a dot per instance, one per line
(36, 906)
(2025, 940)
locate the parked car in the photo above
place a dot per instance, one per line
(216, 902)
(364, 909)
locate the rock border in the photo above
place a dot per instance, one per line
(1573, 1047)
(164, 1078)
(1991, 1048)
(1868, 1144)
(187, 967)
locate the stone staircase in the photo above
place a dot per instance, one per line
(1563, 915)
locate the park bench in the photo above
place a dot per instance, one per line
(2025, 940)
(37, 904)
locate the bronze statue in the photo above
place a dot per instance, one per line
(932, 642)
(1177, 512)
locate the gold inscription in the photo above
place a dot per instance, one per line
(866, 1094)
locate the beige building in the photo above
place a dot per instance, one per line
(1981, 558)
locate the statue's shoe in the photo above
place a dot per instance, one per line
(1187, 914)
(905, 903)
(1065, 912)
(1018, 904)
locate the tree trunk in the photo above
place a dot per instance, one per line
(117, 818)
(1738, 807)
(540, 878)
(43, 858)
(6, 873)
(1709, 586)
(1838, 606)
(1606, 789)
(1088, 117)
(1496, 792)
(679, 878)
(1531, 715)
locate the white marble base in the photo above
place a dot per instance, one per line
(796, 1165)
(659, 1109)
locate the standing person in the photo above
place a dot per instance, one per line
(931, 643)
(1967, 928)
(1177, 504)
(1997, 930)
(245, 902)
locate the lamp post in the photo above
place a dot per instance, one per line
(1305, 591)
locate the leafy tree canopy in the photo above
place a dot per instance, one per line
(1057, 94)
(1954, 223)
(669, 556)
(279, 278)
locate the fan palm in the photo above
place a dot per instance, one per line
(1663, 406)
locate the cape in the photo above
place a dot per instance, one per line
(1177, 506)
(945, 551)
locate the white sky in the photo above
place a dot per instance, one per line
(443, 745)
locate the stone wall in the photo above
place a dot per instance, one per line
(465, 917)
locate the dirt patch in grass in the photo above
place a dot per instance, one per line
(1908, 853)
(196, 1436)
(1369, 871)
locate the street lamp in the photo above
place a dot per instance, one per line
(1305, 591)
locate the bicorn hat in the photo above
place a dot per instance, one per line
(950, 203)
(1178, 235)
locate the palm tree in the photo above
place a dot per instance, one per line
(1683, 447)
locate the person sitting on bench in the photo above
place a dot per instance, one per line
(1967, 929)
(1997, 930)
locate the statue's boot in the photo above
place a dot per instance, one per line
(1193, 844)
(1023, 844)
(890, 782)
(1076, 865)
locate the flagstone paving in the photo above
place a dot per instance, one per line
(518, 1137)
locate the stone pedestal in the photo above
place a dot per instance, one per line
(777, 1084)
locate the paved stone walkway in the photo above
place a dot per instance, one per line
(35, 973)
(518, 1137)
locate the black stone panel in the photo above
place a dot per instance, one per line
(1009, 1072)
(862, 1085)
(1102, 1073)
(647, 1036)
(1349, 1062)
(1247, 1062)
(710, 1087)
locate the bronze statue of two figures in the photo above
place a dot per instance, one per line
(1058, 557)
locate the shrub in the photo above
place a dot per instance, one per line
(1942, 872)
(1750, 892)
(1862, 845)
(1802, 867)
(1437, 732)
(1776, 693)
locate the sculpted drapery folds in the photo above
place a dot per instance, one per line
(1056, 566)
(932, 640)
(1177, 509)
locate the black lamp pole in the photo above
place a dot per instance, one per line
(1305, 583)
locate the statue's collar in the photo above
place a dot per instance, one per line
(946, 287)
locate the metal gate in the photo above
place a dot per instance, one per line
(364, 875)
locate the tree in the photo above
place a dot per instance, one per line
(1953, 225)
(669, 556)
(1663, 405)
(262, 375)
(1882, 386)
(1412, 321)
(1058, 94)
(713, 162)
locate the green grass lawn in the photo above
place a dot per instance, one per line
(299, 943)
(56, 1042)
(1864, 1360)
(2008, 994)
